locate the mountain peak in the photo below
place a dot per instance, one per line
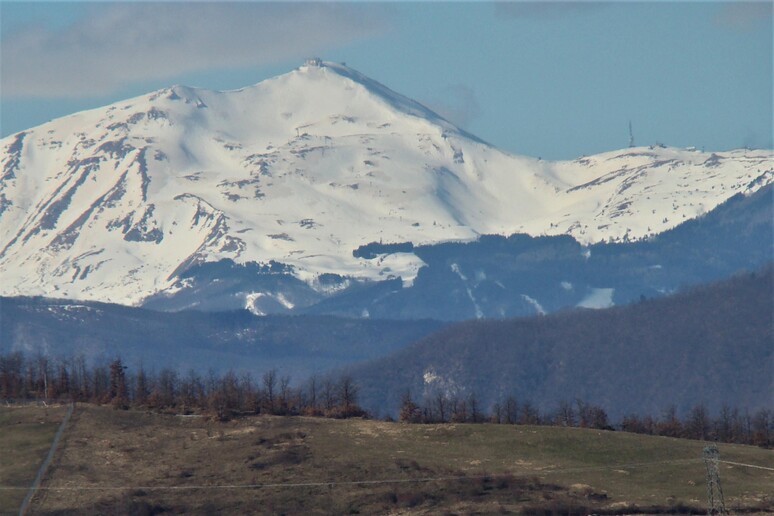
(316, 69)
(310, 79)
(116, 203)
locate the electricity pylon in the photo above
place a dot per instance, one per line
(715, 503)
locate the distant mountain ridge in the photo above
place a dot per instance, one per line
(518, 275)
(709, 345)
(297, 346)
(293, 174)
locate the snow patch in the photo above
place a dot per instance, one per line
(250, 300)
(430, 376)
(456, 270)
(598, 298)
(435, 383)
(534, 302)
(284, 301)
(476, 308)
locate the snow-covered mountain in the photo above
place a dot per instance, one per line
(114, 204)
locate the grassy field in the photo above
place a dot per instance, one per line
(26, 433)
(115, 462)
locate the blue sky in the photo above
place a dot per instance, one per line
(551, 79)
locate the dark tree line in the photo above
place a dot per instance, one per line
(729, 425)
(38, 377)
(24, 378)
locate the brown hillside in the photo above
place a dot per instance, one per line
(127, 462)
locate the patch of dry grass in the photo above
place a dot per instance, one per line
(26, 433)
(143, 463)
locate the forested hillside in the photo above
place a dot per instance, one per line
(710, 345)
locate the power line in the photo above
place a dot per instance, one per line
(745, 465)
(357, 482)
(374, 482)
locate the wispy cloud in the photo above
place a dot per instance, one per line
(546, 9)
(745, 16)
(117, 44)
(456, 103)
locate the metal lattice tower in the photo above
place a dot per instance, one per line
(715, 502)
(631, 135)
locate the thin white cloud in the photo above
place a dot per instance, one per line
(745, 16)
(456, 103)
(123, 43)
(546, 9)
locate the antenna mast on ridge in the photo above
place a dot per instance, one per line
(631, 135)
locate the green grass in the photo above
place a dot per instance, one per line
(634, 468)
(135, 457)
(25, 437)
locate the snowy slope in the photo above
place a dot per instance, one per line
(114, 203)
